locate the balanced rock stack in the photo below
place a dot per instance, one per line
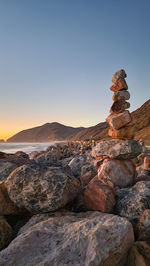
(115, 168)
(119, 119)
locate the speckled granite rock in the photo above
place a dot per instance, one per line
(41, 190)
(90, 238)
(120, 120)
(131, 202)
(143, 226)
(117, 149)
(119, 106)
(120, 172)
(119, 74)
(5, 169)
(121, 95)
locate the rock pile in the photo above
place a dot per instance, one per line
(119, 120)
(114, 157)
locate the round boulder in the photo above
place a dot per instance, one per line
(41, 189)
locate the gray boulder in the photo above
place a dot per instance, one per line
(117, 149)
(5, 169)
(41, 189)
(85, 239)
(131, 202)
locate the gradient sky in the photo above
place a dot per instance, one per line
(57, 58)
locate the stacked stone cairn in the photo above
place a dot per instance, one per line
(114, 157)
(119, 119)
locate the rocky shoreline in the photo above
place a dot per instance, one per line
(79, 203)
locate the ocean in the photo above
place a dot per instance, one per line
(25, 147)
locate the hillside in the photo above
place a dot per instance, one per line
(55, 131)
(45, 133)
(141, 120)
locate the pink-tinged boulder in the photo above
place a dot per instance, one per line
(120, 172)
(39, 189)
(89, 238)
(143, 226)
(120, 74)
(5, 233)
(147, 163)
(139, 254)
(121, 95)
(119, 107)
(99, 196)
(119, 85)
(117, 121)
(126, 132)
(117, 149)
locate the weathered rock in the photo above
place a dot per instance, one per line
(34, 155)
(142, 178)
(120, 172)
(147, 163)
(119, 106)
(117, 149)
(119, 120)
(90, 238)
(76, 164)
(7, 207)
(121, 95)
(132, 202)
(5, 169)
(126, 132)
(143, 226)
(139, 254)
(41, 189)
(119, 74)
(87, 177)
(99, 196)
(119, 85)
(5, 233)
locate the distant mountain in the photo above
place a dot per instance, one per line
(45, 133)
(140, 117)
(55, 131)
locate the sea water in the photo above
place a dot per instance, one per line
(25, 147)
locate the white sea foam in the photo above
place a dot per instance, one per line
(25, 147)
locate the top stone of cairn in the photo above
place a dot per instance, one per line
(120, 74)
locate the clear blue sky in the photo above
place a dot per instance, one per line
(57, 58)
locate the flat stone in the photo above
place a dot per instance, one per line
(132, 202)
(124, 133)
(41, 190)
(99, 196)
(119, 85)
(89, 238)
(121, 95)
(119, 106)
(119, 74)
(5, 233)
(119, 120)
(143, 226)
(120, 172)
(117, 149)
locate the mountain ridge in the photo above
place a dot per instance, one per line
(58, 132)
